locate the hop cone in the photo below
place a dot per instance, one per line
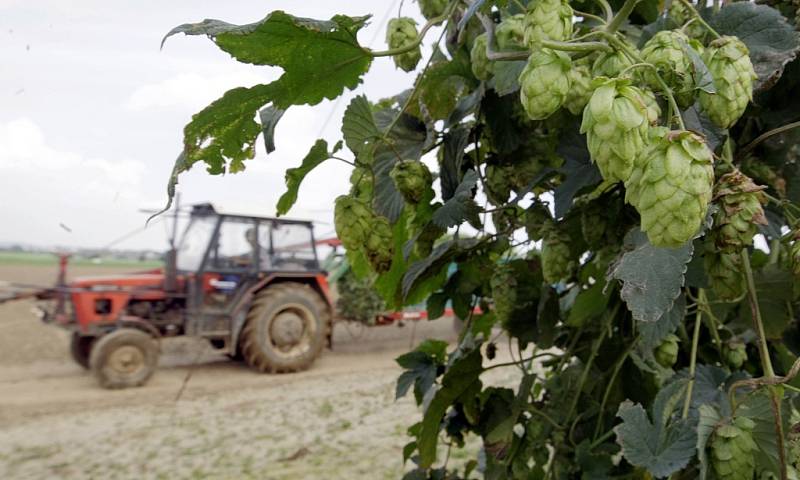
(432, 8)
(537, 217)
(610, 64)
(547, 20)
(504, 292)
(412, 179)
(667, 353)
(681, 15)
(740, 202)
(557, 262)
(666, 51)
(728, 60)
(735, 354)
(426, 238)
(352, 219)
(544, 83)
(672, 187)
(651, 104)
(724, 272)
(361, 184)
(594, 224)
(498, 182)
(510, 33)
(481, 66)
(733, 450)
(616, 125)
(401, 32)
(580, 79)
(505, 218)
(379, 244)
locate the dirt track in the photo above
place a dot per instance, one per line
(337, 420)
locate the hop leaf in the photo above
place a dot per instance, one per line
(666, 353)
(547, 20)
(728, 60)
(413, 180)
(537, 218)
(544, 83)
(672, 187)
(666, 51)
(733, 450)
(616, 125)
(510, 33)
(480, 64)
(401, 32)
(580, 78)
(741, 210)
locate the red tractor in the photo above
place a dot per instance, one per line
(250, 285)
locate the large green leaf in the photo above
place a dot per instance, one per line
(461, 206)
(269, 116)
(358, 124)
(578, 169)
(455, 141)
(443, 85)
(588, 304)
(771, 40)
(651, 277)
(294, 176)
(707, 423)
(653, 333)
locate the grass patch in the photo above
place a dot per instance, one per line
(49, 259)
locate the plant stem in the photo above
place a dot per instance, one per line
(621, 16)
(699, 18)
(607, 393)
(589, 15)
(701, 295)
(750, 146)
(575, 47)
(607, 11)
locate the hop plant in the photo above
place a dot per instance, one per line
(412, 179)
(557, 261)
(672, 187)
(681, 15)
(379, 244)
(616, 125)
(651, 104)
(666, 353)
(432, 8)
(537, 218)
(728, 60)
(498, 183)
(506, 218)
(547, 20)
(735, 353)
(724, 272)
(544, 83)
(426, 238)
(580, 80)
(361, 184)
(666, 50)
(510, 33)
(740, 201)
(480, 63)
(733, 450)
(594, 224)
(610, 64)
(402, 32)
(504, 293)
(352, 219)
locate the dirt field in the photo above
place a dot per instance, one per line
(337, 420)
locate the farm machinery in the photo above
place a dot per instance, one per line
(250, 285)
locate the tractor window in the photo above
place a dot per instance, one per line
(292, 246)
(194, 243)
(236, 245)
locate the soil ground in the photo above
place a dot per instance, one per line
(337, 420)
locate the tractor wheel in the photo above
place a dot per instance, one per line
(286, 328)
(124, 358)
(80, 348)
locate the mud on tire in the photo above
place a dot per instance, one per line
(286, 328)
(124, 358)
(80, 348)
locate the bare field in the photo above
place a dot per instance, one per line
(337, 420)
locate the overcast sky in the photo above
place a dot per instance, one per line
(91, 116)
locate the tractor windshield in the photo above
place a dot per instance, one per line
(195, 242)
(292, 246)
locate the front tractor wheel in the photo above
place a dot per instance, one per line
(286, 328)
(80, 347)
(124, 358)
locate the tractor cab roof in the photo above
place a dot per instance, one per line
(207, 209)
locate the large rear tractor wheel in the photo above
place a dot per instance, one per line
(80, 347)
(286, 328)
(124, 358)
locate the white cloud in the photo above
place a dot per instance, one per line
(191, 91)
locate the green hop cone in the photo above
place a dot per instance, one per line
(498, 183)
(611, 64)
(724, 272)
(651, 104)
(672, 187)
(432, 8)
(557, 261)
(480, 63)
(740, 201)
(402, 32)
(666, 353)
(580, 79)
(507, 218)
(728, 60)
(361, 184)
(379, 244)
(412, 179)
(504, 293)
(510, 33)
(594, 224)
(733, 450)
(616, 125)
(352, 219)
(537, 218)
(544, 83)
(547, 20)
(735, 354)
(666, 50)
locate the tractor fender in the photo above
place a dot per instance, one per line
(237, 324)
(129, 321)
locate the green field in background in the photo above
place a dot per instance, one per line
(47, 259)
